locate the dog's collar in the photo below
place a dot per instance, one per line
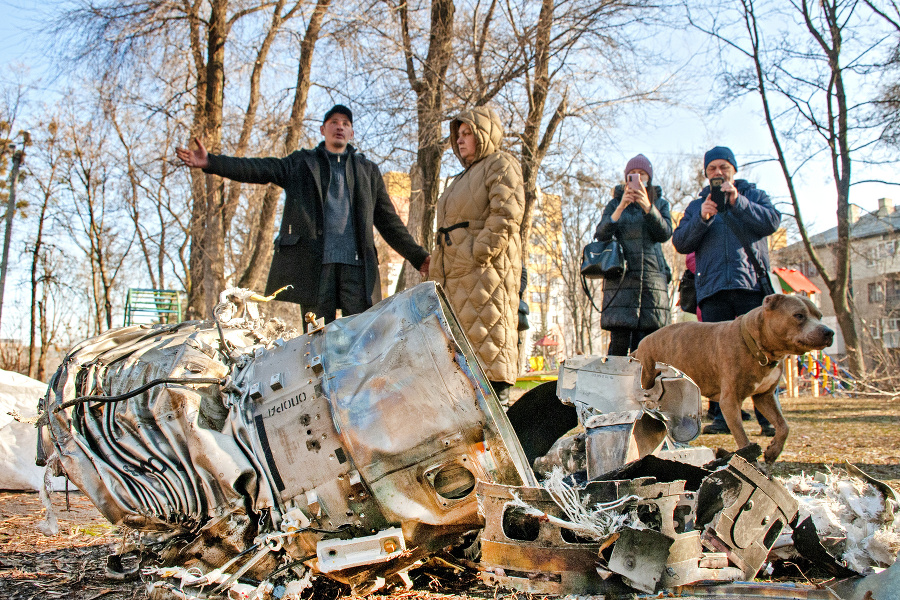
(754, 348)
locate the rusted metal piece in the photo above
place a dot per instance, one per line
(878, 586)
(750, 590)
(683, 524)
(667, 508)
(530, 554)
(743, 512)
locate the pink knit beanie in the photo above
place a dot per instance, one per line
(640, 162)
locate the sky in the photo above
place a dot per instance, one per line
(665, 131)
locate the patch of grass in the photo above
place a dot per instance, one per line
(832, 430)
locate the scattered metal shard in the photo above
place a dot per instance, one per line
(878, 586)
(743, 512)
(623, 421)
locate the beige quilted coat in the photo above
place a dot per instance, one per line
(480, 266)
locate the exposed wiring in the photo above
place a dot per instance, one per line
(137, 391)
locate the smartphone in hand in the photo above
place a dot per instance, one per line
(634, 181)
(716, 193)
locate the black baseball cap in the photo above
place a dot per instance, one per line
(339, 109)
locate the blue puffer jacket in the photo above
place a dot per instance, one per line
(722, 263)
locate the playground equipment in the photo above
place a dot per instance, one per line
(161, 306)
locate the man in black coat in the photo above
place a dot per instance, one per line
(333, 197)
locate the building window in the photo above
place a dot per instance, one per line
(881, 251)
(890, 332)
(807, 268)
(876, 292)
(890, 325)
(892, 290)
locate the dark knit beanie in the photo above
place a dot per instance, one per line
(717, 153)
(339, 109)
(640, 162)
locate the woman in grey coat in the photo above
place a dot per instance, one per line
(638, 217)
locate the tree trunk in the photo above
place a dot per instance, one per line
(257, 269)
(213, 239)
(35, 260)
(194, 273)
(408, 276)
(429, 90)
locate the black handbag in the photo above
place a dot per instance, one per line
(523, 316)
(687, 293)
(603, 260)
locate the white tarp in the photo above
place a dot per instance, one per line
(18, 441)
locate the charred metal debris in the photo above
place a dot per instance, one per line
(249, 458)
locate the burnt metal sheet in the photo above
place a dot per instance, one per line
(743, 512)
(807, 543)
(609, 384)
(687, 563)
(662, 470)
(313, 432)
(616, 439)
(640, 557)
(747, 590)
(539, 419)
(530, 554)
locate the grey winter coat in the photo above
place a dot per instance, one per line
(640, 301)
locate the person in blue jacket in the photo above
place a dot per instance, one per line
(727, 284)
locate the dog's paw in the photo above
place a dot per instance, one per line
(771, 455)
(648, 378)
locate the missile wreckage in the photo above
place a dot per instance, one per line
(250, 458)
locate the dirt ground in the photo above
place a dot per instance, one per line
(827, 431)
(71, 565)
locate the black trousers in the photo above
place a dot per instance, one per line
(727, 305)
(501, 388)
(623, 341)
(340, 287)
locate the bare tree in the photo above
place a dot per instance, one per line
(47, 183)
(427, 79)
(91, 214)
(113, 36)
(567, 34)
(253, 275)
(801, 81)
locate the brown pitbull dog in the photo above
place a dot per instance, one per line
(735, 359)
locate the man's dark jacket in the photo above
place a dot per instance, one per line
(640, 301)
(305, 176)
(722, 263)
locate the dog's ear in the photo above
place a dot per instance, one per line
(773, 301)
(813, 309)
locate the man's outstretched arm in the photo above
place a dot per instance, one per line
(196, 159)
(245, 170)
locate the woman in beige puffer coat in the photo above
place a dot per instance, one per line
(478, 253)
